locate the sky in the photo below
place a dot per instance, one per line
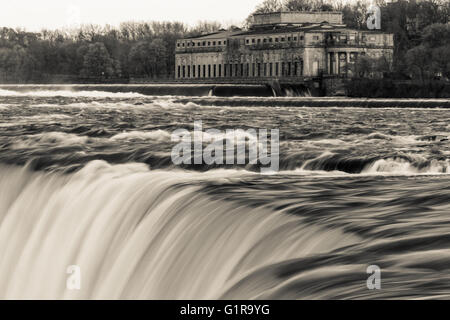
(33, 15)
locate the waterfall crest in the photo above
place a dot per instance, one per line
(139, 234)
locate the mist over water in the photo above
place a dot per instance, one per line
(86, 179)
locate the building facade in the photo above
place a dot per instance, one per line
(282, 45)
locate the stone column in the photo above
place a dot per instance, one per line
(329, 71)
(337, 64)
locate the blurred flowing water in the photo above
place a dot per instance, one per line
(86, 179)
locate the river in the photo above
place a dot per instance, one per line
(86, 179)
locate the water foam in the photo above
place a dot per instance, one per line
(47, 138)
(69, 93)
(405, 167)
(143, 135)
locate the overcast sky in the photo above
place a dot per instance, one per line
(37, 14)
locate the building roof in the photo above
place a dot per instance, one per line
(293, 28)
(293, 12)
(217, 35)
(280, 29)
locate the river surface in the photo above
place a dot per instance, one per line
(86, 179)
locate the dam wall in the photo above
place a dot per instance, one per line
(197, 90)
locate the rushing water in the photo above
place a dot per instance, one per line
(86, 179)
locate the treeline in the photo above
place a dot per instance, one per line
(94, 53)
(428, 59)
(147, 49)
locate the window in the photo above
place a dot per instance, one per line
(301, 38)
(276, 68)
(276, 39)
(253, 40)
(209, 43)
(271, 69)
(183, 44)
(259, 69)
(242, 69)
(282, 39)
(289, 38)
(220, 70)
(189, 72)
(204, 43)
(209, 71)
(214, 72)
(253, 69)
(220, 43)
(295, 38)
(178, 45)
(199, 70)
(225, 42)
(259, 40)
(315, 38)
(214, 43)
(247, 41)
(193, 71)
(179, 71)
(184, 71)
(265, 40)
(204, 71)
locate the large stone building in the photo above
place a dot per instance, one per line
(282, 45)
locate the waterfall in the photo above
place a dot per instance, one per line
(140, 234)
